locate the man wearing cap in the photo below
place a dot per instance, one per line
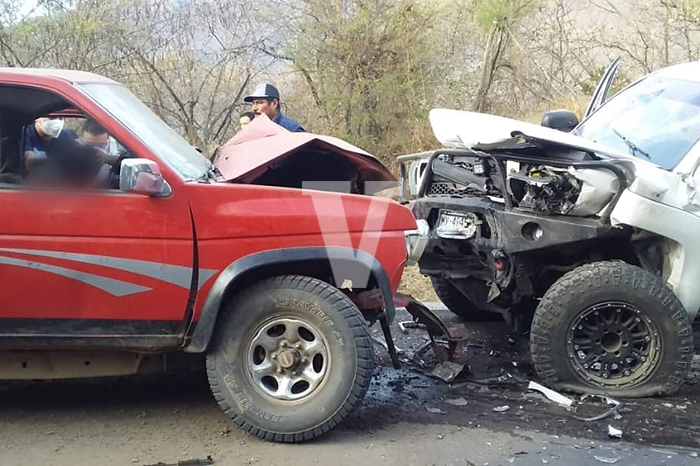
(266, 99)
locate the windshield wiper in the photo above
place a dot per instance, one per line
(634, 148)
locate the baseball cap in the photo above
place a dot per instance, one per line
(263, 91)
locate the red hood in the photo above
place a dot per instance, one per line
(249, 153)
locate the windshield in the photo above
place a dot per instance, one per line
(657, 119)
(151, 130)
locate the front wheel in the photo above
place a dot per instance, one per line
(291, 358)
(613, 328)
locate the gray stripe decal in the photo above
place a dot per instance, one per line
(174, 274)
(116, 288)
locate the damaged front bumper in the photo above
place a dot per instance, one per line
(497, 231)
(436, 328)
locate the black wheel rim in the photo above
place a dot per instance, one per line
(613, 344)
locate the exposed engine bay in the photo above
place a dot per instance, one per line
(535, 187)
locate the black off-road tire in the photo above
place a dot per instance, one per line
(322, 307)
(459, 304)
(637, 293)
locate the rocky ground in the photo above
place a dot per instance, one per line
(408, 417)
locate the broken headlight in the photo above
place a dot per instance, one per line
(416, 241)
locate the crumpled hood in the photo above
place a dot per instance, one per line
(262, 143)
(460, 129)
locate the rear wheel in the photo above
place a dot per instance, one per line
(460, 304)
(614, 328)
(291, 359)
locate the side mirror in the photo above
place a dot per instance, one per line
(142, 176)
(562, 120)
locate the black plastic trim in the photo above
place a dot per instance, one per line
(204, 327)
(40, 333)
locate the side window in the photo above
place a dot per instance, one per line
(46, 144)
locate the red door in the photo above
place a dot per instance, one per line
(108, 267)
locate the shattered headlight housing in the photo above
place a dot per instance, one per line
(416, 241)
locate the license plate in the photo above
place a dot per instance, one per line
(454, 225)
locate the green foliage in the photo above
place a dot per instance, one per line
(503, 13)
(371, 64)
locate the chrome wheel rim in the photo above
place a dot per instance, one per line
(613, 344)
(287, 359)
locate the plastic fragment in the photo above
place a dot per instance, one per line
(457, 401)
(606, 460)
(613, 432)
(434, 410)
(551, 394)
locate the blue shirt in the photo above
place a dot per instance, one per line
(288, 123)
(40, 147)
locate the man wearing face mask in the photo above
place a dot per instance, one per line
(39, 137)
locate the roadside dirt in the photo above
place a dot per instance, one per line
(169, 418)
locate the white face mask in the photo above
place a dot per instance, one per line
(52, 128)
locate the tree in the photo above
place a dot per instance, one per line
(498, 19)
(367, 65)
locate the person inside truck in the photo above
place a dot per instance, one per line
(265, 99)
(95, 135)
(39, 139)
(69, 165)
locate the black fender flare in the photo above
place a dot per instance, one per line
(204, 327)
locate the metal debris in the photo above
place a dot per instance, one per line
(457, 401)
(613, 432)
(551, 394)
(504, 378)
(448, 371)
(193, 462)
(501, 409)
(615, 407)
(606, 460)
(405, 325)
(434, 410)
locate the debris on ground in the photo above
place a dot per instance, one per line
(448, 371)
(404, 326)
(383, 344)
(434, 410)
(615, 407)
(613, 432)
(551, 394)
(193, 462)
(457, 401)
(501, 409)
(606, 460)
(505, 378)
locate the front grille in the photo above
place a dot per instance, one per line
(444, 190)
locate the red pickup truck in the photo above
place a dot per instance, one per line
(275, 285)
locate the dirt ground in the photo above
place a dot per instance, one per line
(405, 419)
